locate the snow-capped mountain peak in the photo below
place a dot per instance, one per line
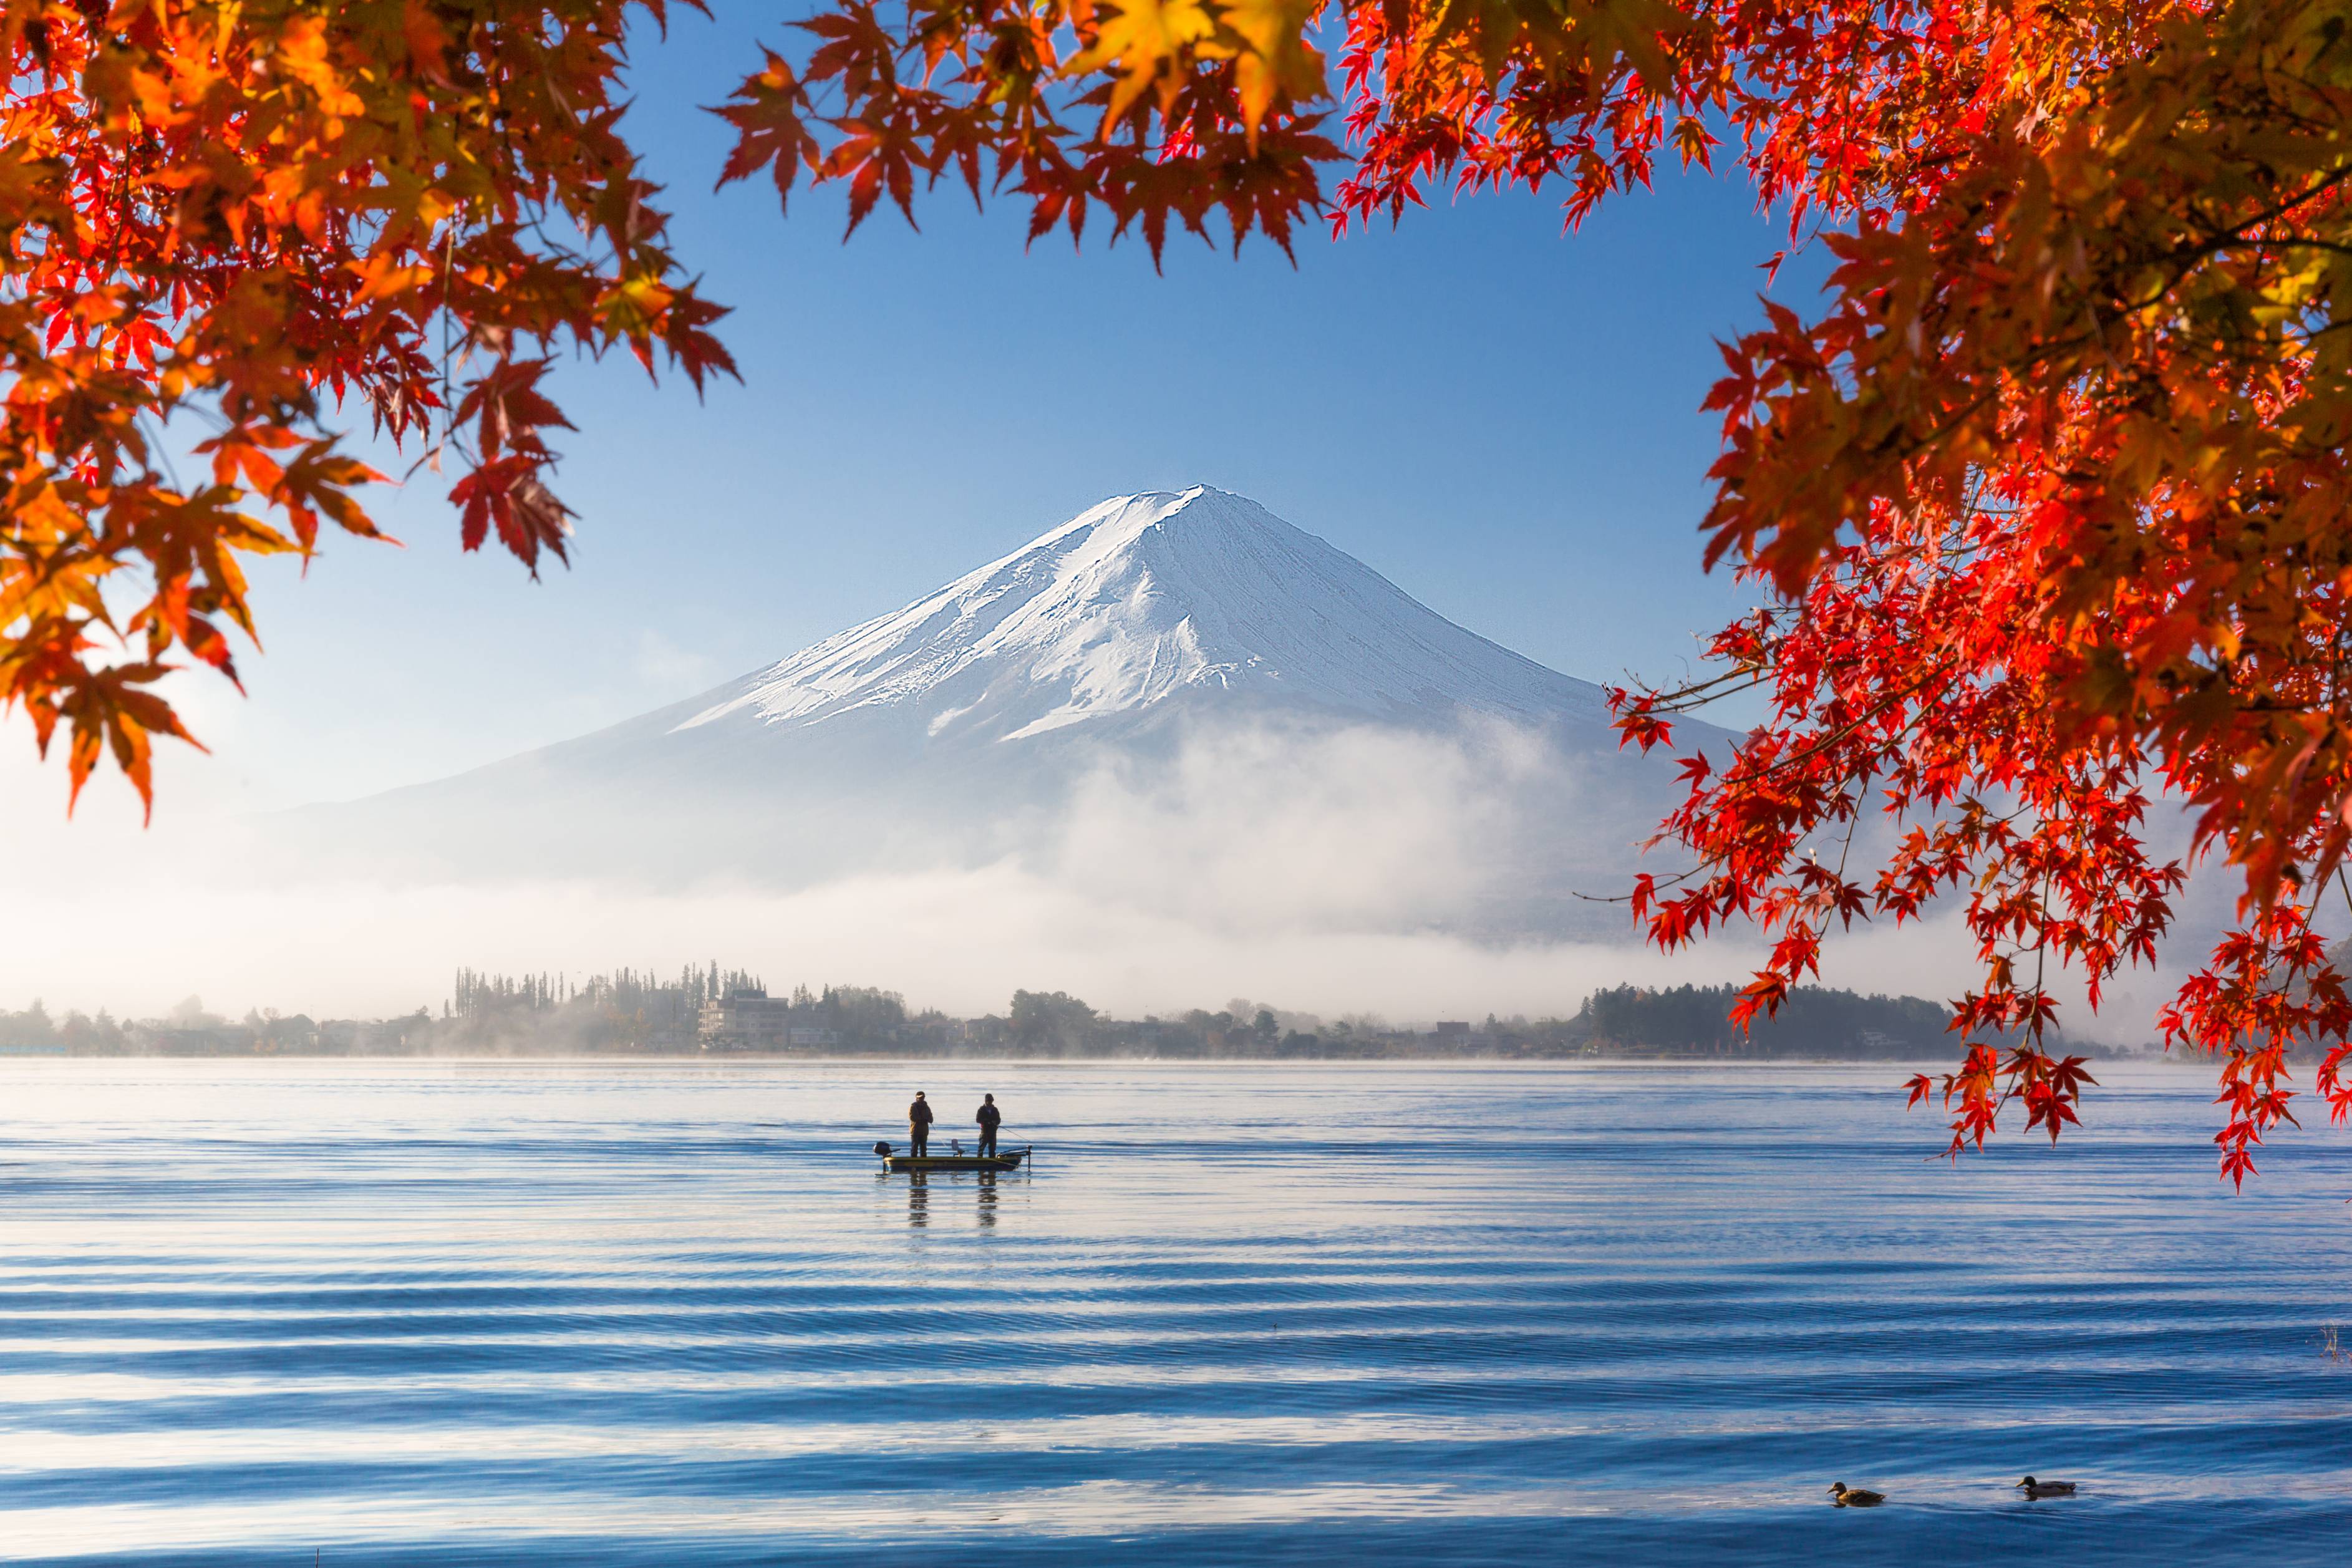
(1139, 600)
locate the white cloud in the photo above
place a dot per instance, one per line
(1331, 872)
(1341, 872)
(1362, 829)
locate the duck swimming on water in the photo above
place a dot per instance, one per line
(2033, 1488)
(1846, 1496)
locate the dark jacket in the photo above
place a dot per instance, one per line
(989, 1116)
(920, 1114)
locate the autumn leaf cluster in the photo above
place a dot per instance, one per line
(255, 222)
(2049, 504)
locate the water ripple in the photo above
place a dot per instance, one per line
(602, 1313)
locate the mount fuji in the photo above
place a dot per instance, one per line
(1124, 650)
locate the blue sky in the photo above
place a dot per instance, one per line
(1502, 418)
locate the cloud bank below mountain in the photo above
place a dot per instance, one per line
(1348, 875)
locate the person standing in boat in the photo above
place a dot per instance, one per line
(988, 1117)
(919, 1126)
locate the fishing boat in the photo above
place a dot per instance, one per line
(1008, 1161)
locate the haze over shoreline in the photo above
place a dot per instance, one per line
(715, 1015)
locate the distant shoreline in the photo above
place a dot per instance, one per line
(2093, 1054)
(717, 1014)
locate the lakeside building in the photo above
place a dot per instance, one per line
(746, 1019)
(749, 1019)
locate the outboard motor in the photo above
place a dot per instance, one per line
(882, 1149)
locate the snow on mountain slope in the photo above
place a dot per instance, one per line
(1141, 599)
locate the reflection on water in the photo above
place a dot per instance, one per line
(981, 1185)
(443, 1314)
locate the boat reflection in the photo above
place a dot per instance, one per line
(919, 1197)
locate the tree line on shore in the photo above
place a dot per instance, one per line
(634, 1012)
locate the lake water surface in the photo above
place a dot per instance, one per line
(420, 1313)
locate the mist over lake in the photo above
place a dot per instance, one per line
(612, 1313)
